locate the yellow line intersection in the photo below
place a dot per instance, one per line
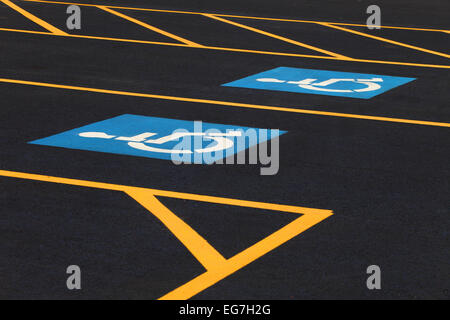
(33, 18)
(217, 267)
(190, 44)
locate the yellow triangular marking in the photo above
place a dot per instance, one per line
(217, 267)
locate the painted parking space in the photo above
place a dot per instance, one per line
(217, 267)
(98, 23)
(333, 83)
(321, 53)
(178, 140)
(347, 39)
(319, 186)
(355, 175)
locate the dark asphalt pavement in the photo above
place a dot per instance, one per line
(387, 183)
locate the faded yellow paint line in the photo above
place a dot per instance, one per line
(218, 268)
(33, 18)
(445, 55)
(297, 43)
(230, 104)
(150, 27)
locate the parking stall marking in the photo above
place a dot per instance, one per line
(128, 135)
(322, 82)
(189, 44)
(153, 28)
(386, 40)
(239, 16)
(33, 18)
(217, 267)
(333, 54)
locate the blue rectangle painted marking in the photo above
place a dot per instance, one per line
(154, 137)
(323, 82)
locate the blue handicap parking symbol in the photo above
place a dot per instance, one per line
(331, 83)
(161, 138)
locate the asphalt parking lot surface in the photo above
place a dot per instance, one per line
(361, 181)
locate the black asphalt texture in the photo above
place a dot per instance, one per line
(387, 183)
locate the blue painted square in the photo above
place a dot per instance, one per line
(152, 137)
(331, 83)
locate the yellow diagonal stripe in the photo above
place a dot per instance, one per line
(218, 268)
(79, 36)
(301, 44)
(247, 256)
(33, 18)
(241, 17)
(385, 40)
(146, 25)
(206, 254)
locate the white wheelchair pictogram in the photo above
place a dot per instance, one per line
(310, 84)
(141, 141)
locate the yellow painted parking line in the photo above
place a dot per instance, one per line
(247, 256)
(170, 44)
(217, 267)
(243, 17)
(145, 25)
(206, 254)
(33, 18)
(297, 43)
(27, 31)
(385, 40)
(285, 54)
(330, 22)
(398, 63)
(161, 193)
(228, 104)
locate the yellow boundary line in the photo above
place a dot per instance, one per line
(399, 63)
(386, 40)
(33, 18)
(301, 44)
(229, 104)
(217, 267)
(152, 28)
(171, 44)
(205, 253)
(242, 17)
